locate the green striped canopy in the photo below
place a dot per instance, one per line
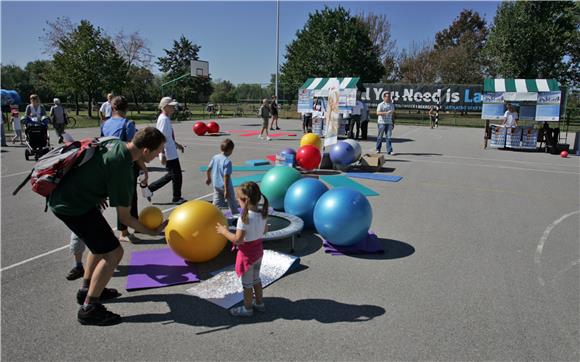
(321, 83)
(520, 85)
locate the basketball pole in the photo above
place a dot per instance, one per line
(277, 45)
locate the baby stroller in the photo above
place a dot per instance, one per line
(37, 137)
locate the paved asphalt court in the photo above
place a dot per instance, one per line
(482, 263)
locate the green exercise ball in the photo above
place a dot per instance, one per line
(276, 182)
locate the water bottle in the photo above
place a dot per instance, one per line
(144, 189)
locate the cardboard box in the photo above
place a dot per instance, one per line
(372, 162)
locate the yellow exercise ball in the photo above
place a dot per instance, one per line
(311, 139)
(151, 217)
(191, 232)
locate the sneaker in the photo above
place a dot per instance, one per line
(97, 315)
(260, 137)
(130, 238)
(75, 273)
(259, 307)
(272, 129)
(377, 152)
(106, 294)
(179, 201)
(392, 153)
(241, 311)
(277, 128)
(268, 139)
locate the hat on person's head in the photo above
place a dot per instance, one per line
(167, 101)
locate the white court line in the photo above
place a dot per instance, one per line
(66, 246)
(17, 173)
(542, 242)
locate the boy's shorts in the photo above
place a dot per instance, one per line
(264, 122)
(93, 229)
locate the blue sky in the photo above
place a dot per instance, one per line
(238, 38)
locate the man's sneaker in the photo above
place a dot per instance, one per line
(259, 307)
(106, 294)
(75, 273)
(97, 315)
(268, 139)
(241, 311)
(377, 151)
(179, 201)
(392, 153)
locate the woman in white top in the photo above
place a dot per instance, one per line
(35, 110)
(510, 117)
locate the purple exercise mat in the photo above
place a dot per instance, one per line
(158, 268)
(369, 245)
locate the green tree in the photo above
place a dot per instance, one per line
(535, 40)
(251, 92)
(223, 92)
(458, 49)
(16, 78)
(418, 64)
(38, 75)
(332, 44)
(87, 62)
(177, 63)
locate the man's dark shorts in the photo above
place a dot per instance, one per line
(93, 229)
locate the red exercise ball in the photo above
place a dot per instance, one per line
(308, 157)
(199, 128)
(213, 127)
(564, 154)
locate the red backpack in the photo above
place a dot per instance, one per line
(53, 167)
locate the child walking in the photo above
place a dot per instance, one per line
(248, 238)
(264, 112)
(15, 117)
(219, 173)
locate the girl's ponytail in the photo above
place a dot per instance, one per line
(264, 207)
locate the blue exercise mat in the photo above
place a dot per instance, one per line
(337, 181)
(258, 162)
(375, 176)
(237, 181)
(244, 168)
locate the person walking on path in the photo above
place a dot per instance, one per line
(264, 112)
(169, 156)
(58, 117)
(274, 112)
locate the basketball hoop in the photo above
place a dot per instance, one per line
(200, 69)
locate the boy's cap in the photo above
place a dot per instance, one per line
(167, 101)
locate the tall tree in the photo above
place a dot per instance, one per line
(380, 33)
(38, 75)
(223, 92)
(458, 49)
(535, 40)
(87, 62)
(418, 64)
(137, 55)
(332, 44)
(16, 78)
(177, 63)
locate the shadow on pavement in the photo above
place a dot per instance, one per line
(190, 310)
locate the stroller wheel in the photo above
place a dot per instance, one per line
(26, 154)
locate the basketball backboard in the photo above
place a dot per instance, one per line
(199, 68)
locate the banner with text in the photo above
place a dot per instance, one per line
(451, 97)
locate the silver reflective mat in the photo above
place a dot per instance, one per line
(225, 288)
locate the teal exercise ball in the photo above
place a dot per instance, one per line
(343, 216)
(276, 182)
(301, 198)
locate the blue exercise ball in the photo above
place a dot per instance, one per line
(301, 199)
(343, 216)
(342, 154)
